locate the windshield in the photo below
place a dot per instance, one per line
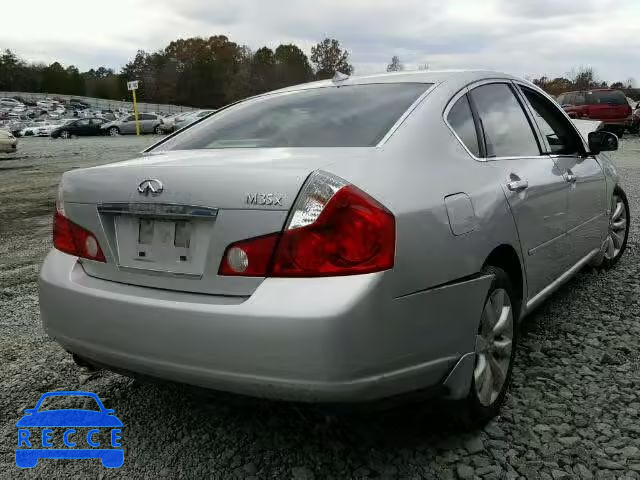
(344, 116)
(64, 402)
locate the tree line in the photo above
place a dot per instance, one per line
(583, 78)
(201, 72)
(214, 71)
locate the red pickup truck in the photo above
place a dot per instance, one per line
(608, 106)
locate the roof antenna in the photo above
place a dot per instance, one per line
(339, 77)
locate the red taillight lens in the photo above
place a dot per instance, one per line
(75, 240)
(352, 234)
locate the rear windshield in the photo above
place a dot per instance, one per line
(606, 97)
(344, 116)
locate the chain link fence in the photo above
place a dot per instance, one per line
(101, 103)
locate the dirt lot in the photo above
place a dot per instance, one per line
(573, 410)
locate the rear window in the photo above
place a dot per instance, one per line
(606, 97)
(343, 116)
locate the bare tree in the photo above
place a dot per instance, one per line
(395, 65)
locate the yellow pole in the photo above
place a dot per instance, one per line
(135, 112)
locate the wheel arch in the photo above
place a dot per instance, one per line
(506, 257)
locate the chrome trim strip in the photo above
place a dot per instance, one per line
(553, 286)
(168, 210)
(565, 234)
(547, 243)
(160, 273)
(569, 232)
(467, 89)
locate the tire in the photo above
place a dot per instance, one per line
(618, 234)
(114, 131)
(495, 351)
(157, 130)
(64, 134)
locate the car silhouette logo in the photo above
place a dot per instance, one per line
(81, 426)
(151, 186)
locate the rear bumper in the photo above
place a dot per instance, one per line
(8, 145)
(339, 339)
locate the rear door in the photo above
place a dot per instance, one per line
(587, 220)
(96, 123)
(533, 184)
(83, 127)
(150, 122)
(128, 125)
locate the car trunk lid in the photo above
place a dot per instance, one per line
(165, 220)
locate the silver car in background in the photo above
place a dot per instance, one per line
(340, 241)
(149, 123)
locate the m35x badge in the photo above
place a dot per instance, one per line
(264, 198)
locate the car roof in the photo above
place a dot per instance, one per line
(420, 76)
(68, 393)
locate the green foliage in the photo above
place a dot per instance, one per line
(395, 65)
(329, 58)
(583, 78)
(203, 72)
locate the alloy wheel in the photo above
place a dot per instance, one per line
(494, 344)
(113, 132)
(618, 225)
(64, 134)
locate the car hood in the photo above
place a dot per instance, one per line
(69, 418)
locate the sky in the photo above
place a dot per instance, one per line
(523, 37)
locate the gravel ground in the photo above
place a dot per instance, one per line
(573, 410)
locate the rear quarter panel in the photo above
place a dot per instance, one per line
(411, 174)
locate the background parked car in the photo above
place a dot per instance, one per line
(635, 120)
(83, 127)
(608, 106)
(149, 123)
(8, 143)
(191, 117)
(36, 129)
(10, 102)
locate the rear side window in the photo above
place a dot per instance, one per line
(608, 97)
(506, 129)
(336, 116)
(461, 120)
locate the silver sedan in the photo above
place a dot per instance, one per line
(342, 241)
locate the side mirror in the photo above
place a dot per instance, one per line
(602, 141)
(29, 411)
(109, 411)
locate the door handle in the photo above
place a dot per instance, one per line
(517, 185)
(570, 177)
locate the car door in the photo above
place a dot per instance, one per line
(129, 125)
(82, 127)
(587, 220)
(96, 123)
(145, 122)
(535, 188)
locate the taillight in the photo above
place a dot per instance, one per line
(75, 240)
(333, 229)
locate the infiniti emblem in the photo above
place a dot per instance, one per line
(151, 186)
